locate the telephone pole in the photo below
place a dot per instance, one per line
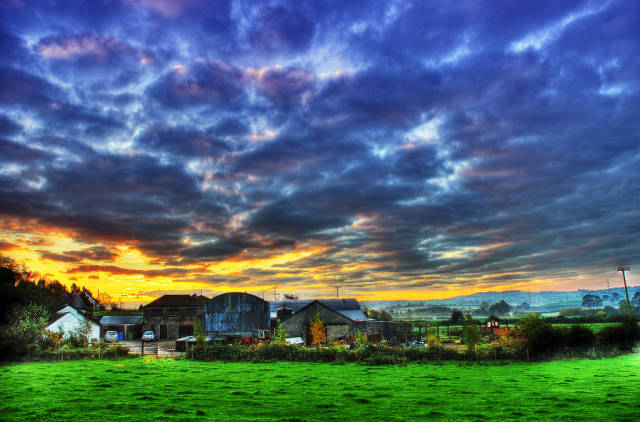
(623, 269)
(337, 292)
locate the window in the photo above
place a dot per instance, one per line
(157, 313)
(192, 311)
(174, 312)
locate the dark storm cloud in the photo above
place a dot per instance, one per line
(12, 48)
(114, 270)
(96, 253)
(282, 29)
(25, 89)
(183, 142)
(286, 87)
(215, 82)
(379, 97)
(8, 127)
(13, 152)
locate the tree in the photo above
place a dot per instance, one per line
(198, 333)
(85, 329)
(500, 308)
(280, 335)
(484, 306)
(538, 335)
(456, 316)
(291, 296)
(597, 302)
(470, 331)
(318, 331)
(372, 313)
(635, 301)
(26, 324)
(385, 316)
(588, 301)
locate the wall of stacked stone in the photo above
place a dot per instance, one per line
(390, 330)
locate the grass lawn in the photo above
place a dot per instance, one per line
(166, 389)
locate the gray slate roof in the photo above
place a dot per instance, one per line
(120, 320)
(348, 307)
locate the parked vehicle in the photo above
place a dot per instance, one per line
(111, 336)
(149, 336)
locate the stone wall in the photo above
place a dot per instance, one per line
(337, 324)
(173, 323)
(390, 330)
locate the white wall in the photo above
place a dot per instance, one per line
(72, 320)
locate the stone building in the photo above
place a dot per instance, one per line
(342, 318)
(173, 316)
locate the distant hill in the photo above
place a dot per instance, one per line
(512, 297)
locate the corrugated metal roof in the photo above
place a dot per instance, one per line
(354, 315)
(120, 320)
(349, 304)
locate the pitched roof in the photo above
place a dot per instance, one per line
(56, 317)
(174, 300)
(348, 307)
(120, 320)
(74, 300)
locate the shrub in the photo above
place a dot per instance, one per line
(622, 336)
(538, 336)
(580, 336)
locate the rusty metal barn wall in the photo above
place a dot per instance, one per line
(236, 314)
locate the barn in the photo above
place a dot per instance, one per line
(173, 316)
(342, 318)
(234, 315)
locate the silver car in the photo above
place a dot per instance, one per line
(149, 336)
(111, 336)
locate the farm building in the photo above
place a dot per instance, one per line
(129, 326)
(233, 315)
(173, 316)
(342, 318)
(69, 319)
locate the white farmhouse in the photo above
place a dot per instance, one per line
(69, 318)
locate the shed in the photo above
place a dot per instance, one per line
(235, 315)
(342, 318)
(130, 326)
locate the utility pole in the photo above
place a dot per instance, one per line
(623, 269)
(338, 292)
(274, 294)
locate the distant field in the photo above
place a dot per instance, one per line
(166, 389)
(576, 303)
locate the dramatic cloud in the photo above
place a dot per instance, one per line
(399, 149)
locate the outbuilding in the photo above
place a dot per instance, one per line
(173, 316)
(129, 326)
(234, 315)
(342, 318)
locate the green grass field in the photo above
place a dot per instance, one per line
(167, 389)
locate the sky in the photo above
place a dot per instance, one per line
(391, 149)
